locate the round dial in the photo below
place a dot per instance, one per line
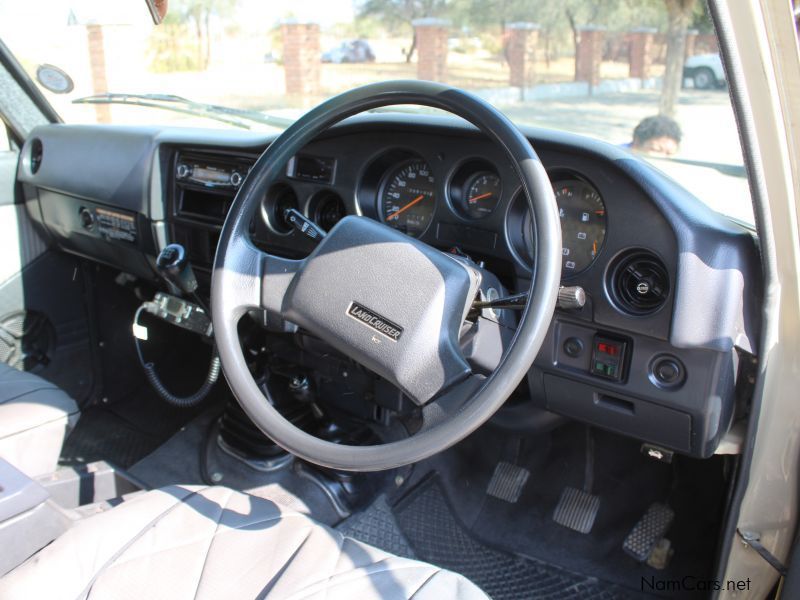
(408, 197)
(583, 224)
(481, 195)
(330, 210)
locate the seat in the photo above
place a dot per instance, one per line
(191, 542)
(35, 416)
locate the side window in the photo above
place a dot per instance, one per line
(8, 166)
(5, 140)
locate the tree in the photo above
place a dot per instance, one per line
(679, 14)
(197, 14)
(397, 14)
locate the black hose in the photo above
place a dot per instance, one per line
(160, 388)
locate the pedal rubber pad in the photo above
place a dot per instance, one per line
(507, 482)
(646, 534)
(577, 510)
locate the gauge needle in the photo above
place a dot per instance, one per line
(396, 213)
(594, 248)
(481, 197)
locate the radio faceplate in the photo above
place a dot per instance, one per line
(211, 172)
(204, 185)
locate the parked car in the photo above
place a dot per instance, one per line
(351, 51)
(705, 71)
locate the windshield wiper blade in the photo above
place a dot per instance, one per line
(238, 117)
(728, 169)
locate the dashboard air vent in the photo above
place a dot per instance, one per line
(639, 282)
(36, 155)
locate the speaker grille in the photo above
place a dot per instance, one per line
(640, 282)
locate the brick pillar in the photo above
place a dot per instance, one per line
(691, 41)
(97, 63)
(589, 54)
(301, 59)
(521, 52)
(641, 53)
(431, 48)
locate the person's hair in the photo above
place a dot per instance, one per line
(656, 127)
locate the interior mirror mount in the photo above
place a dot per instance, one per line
(158, 10)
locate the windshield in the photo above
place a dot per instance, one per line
(629, 72)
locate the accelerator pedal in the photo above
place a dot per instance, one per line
(649, 531)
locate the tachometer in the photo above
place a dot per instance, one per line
(482, 194)
(583, 224)
(408, 197)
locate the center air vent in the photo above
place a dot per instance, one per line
(639, 282)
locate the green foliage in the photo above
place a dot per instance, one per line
(170, 43)
(172, 48)
(397, 15)
(185, 11)
(553, 16)
(363, 27)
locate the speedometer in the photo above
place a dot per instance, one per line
(408, 197)
(583, 224)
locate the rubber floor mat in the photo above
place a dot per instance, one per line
(103, 435)
(377, 526)
(436, 536)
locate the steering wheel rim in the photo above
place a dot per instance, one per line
(241, 274)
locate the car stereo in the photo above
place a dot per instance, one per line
(215, 174)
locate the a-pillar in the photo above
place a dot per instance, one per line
(97, 63)
(589, 54)
(301, 59)
(431, 35)
(641, 55)
(521, 52)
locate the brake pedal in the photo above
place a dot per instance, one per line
(648, 532)
(577, 510)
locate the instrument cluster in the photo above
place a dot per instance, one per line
(471, 198)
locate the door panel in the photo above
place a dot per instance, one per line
(43, 314)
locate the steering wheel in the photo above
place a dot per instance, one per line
(402, 323)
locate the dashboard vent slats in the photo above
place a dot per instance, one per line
(639, 282)
(36, 155)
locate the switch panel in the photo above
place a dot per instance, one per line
(608, 357)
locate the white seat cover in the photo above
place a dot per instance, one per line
(35, 416)
(188, 542)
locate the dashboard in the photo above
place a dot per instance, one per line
(672, 287)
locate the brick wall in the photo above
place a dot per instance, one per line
(589, 54)
(521, 52)
(301, 59)
(642, 52)
(431, 48)
(97, 65)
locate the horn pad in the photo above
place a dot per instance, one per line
(388, 301)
